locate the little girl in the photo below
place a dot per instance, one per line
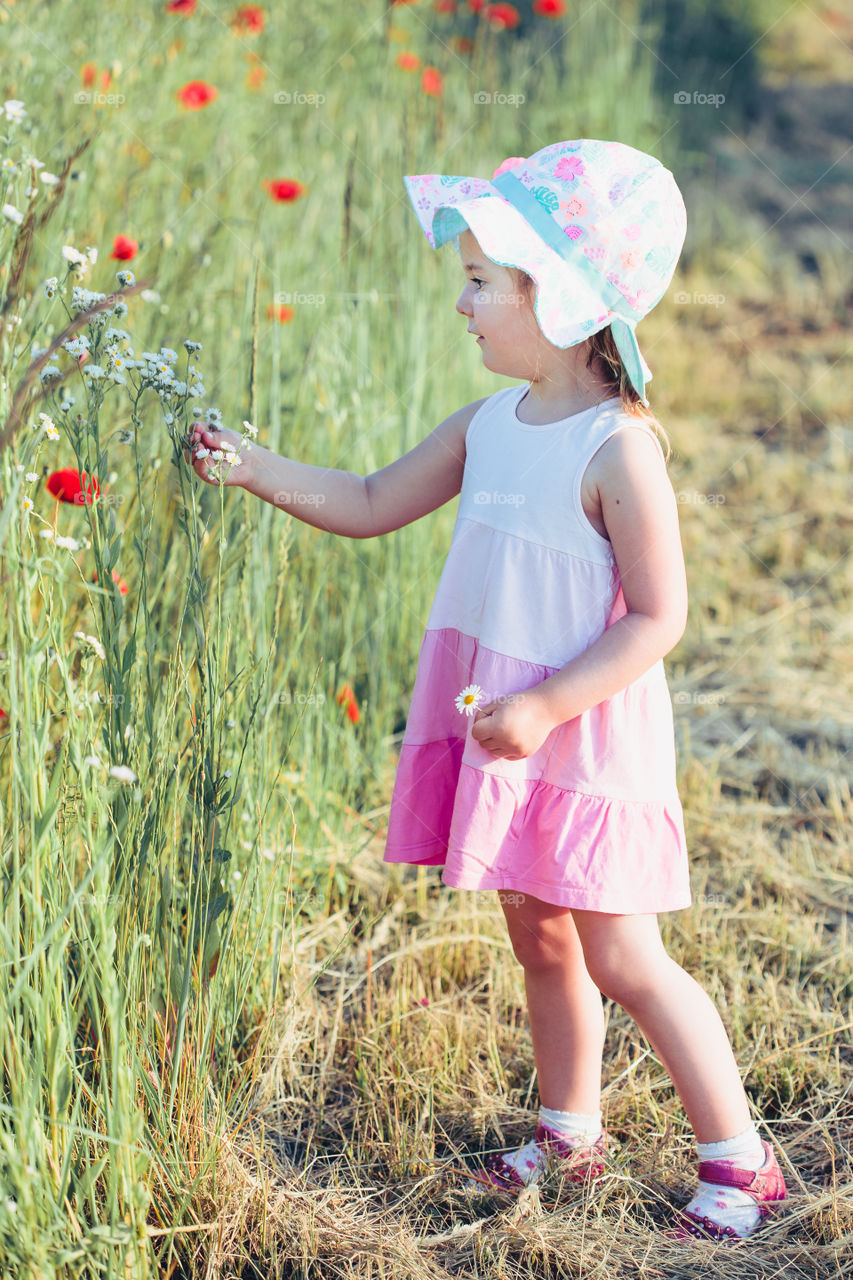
(539, 753)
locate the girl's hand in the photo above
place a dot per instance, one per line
(207, 467)
(512, 727)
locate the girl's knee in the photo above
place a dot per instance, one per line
(626, 979)
(545, 939)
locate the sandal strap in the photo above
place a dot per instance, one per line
(766, 1183)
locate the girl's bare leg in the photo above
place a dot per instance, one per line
(626, 958)
(564, 1005)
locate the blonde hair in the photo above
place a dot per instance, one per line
(602, 348)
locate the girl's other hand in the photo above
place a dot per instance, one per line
(513, 726)
(207, 466)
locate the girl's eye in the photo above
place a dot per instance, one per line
(478, 283)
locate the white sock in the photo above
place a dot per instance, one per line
(577, 1129)
(729, 1206)
(572, 1124)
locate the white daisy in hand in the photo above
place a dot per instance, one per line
(467, 700)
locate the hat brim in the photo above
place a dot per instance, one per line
(567, 306)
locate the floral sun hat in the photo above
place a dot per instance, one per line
(599, 226)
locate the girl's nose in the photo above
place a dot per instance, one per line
(463, 306)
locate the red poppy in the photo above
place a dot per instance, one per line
(2, 714)
(549, 8)
(255, 77)
(106, 78)
(283, 314)
(462, 43)
(476, 5)
(431, 81)
(249, 20)
(346, 697)
(283, 190)
(70, 485)
(446, 6)
(196, 94)
(87, 74)
(504, 16)
(120, 582)
(407, 61)
(124, 248)
(181, 6)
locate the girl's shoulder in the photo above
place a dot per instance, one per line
(630, 456)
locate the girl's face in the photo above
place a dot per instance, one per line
(500, 313)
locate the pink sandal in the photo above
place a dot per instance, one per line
(765, 1185)
(576, 1164)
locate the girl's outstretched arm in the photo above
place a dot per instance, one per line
(357, 506)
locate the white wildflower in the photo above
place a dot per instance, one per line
(121, 773)
(125, 278)
(51, 371)
(70, 544)
(468, 700)
(32, 476)
(252, 431)
(14, 215)
(70, 254)
(50, 179)
(93, 761)
(27, 504)
(94, 642)
(45, 533)
(201, 452)
(150, 295)
(15, 110)
(76, 346)
(93, 371)
(50, 287)
(34, 163)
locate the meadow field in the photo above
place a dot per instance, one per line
(234, 1042)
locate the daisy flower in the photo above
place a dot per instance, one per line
(468, 700)
(14, 110)
(14, 215)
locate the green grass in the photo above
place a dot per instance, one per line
(300, 1111)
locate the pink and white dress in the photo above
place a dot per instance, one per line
(592, 819)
